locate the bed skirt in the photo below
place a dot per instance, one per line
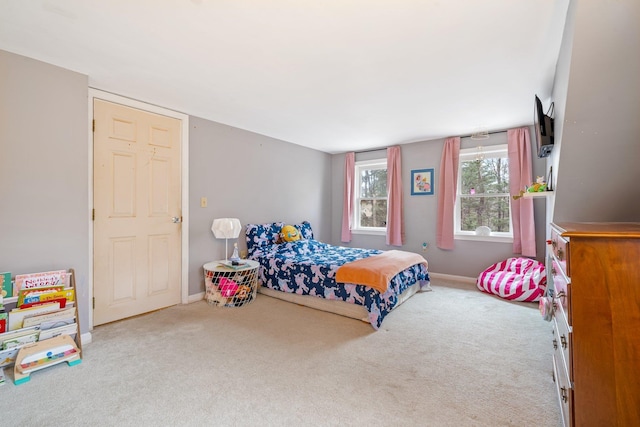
(342, 308)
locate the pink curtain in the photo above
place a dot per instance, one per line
(524, 233)
(347, 201)
(395, 213)
(447, 186)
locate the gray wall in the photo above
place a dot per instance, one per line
(468, 258)
(254, 178)
(597, 99)
(44, 171)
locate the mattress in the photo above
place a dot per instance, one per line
(308, 267)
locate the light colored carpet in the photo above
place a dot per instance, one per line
(451, 357)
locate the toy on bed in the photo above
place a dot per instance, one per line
(289, 233)
(305, 271)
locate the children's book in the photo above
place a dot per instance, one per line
(36, 294)
(17, 315)
(40, 280)
(70, 330)
(62, 301)
(6, 287)
(8, 357)
(66, 313)
(20, 341)
(3, 322)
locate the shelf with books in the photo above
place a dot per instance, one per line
(41, 325)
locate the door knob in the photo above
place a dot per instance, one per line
(176, 219)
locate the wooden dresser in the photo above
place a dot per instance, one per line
(594, 275)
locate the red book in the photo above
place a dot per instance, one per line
(62, 301)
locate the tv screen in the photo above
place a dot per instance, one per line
(543, 125)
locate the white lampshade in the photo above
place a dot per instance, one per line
(226, 228)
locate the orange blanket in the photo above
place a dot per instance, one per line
(376, 271)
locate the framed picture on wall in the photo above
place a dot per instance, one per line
(422, 182)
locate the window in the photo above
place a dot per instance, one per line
(483, 207)
(370, 204)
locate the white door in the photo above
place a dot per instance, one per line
(137, 212)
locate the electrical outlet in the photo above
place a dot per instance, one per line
(203, 202)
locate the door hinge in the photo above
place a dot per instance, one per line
(93, 126)
(94, 302)
(93, 214)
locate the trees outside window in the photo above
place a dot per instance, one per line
(482, 200)
(371, 195)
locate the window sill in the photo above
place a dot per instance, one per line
(369, 232)
(474, 237)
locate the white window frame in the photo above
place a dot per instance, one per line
(470, 154)
(359, 166)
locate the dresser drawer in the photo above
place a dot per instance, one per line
(560, 248)
(561, 290)
(562, 344)
(564, 392)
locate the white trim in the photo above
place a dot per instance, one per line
(370, 231)
(184, 154)
(380, 163)
(477, 238)
(196, 297)
(463, 279)
(86, 338)
(467, 155)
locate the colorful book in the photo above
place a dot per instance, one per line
(6, 287)
(40, 280)
(28, 304)
(20, 341)
(14, 334)
(68, 293)
(34, 295)
(8, 357)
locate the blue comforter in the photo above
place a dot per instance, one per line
(308, 267)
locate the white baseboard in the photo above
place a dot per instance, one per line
(86, 338)
(196, 297)
(463, 279)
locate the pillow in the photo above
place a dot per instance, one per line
(289, 233)
(259, 235)
(306, 232)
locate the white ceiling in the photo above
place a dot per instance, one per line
(333, 75)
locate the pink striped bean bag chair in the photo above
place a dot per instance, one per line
(518, 279)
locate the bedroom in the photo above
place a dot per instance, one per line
(47, 195)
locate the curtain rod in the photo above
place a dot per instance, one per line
(368, 151)
(488, 133)
(463, 136)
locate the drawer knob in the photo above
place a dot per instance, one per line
(563, 341)
(555, 344)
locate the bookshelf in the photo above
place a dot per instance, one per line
(41, 329)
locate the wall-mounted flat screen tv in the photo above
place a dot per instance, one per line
(543, 125)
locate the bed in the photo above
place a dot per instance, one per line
(304, 271)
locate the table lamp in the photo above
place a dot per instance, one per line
(226, 228)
